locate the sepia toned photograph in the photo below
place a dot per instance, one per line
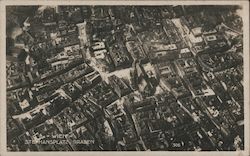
(125, 78)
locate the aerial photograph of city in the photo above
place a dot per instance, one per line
(124, 78)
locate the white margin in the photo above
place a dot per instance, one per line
(245, 4)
